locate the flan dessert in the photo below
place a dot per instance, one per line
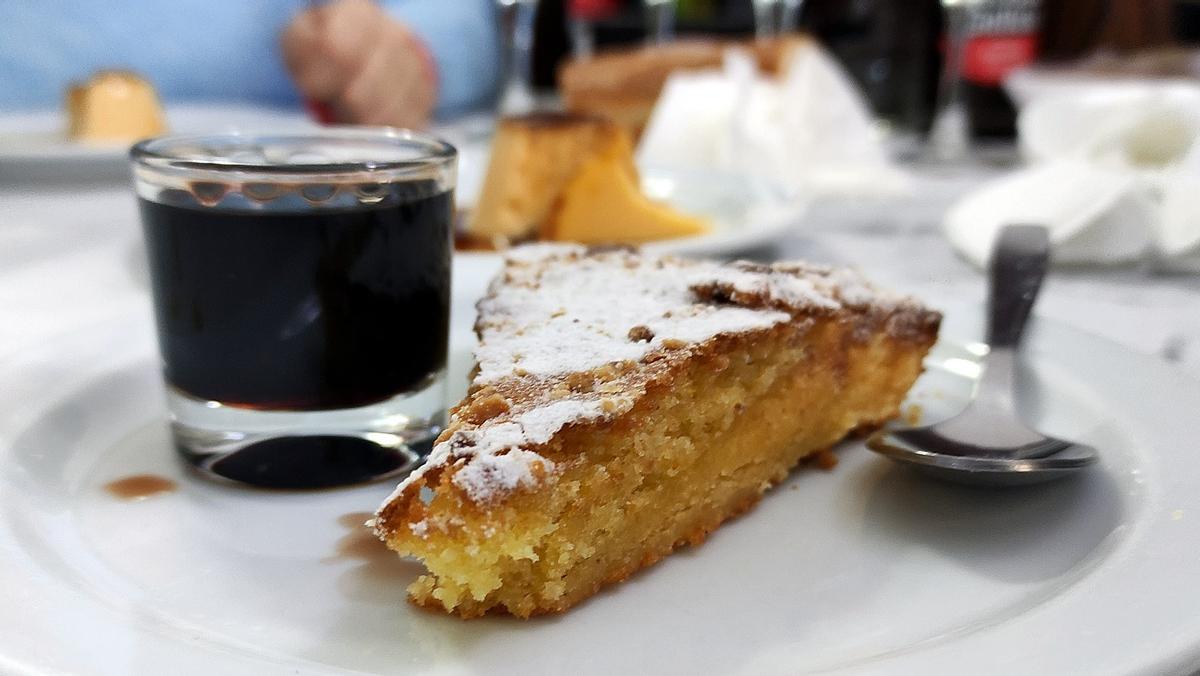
(533, 158)
(603, 204)
(625, 405)
(568, 177)
(114, 106)
(623, 84)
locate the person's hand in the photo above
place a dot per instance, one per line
(367, 68)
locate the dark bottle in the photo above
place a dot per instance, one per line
(1003, 35)
(889, 48)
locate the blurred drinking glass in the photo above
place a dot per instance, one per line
(516, 25)
(579, 28)
(775, 17)
(660, 21)
(949, 137)
(301, 287)
(581, 17)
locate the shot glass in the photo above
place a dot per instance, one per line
(301, 290)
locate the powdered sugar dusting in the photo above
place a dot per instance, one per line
(499, 463)
(853, 290)
(776, 286)
(490, 474)
(537, 251)
(558, 310)
(540, 424)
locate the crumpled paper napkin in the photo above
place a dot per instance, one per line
(1114, 174)
(808, 129)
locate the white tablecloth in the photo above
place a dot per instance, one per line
(70, 256)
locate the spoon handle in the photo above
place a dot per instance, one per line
(1018, 265)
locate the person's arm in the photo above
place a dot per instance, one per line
(366, 63)
(463, 40)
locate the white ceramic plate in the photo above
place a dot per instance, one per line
(865, 569)
(35, 143)
(745, 211)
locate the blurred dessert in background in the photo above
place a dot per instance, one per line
(604, 203)
(114, 106)
(623, 85)
(533, 158)
(568, 177)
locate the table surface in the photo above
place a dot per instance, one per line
(70, 256)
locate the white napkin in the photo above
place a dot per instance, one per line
(1178, 225)
(808, 128)
(692, 122)
(1136, 126)
(1115, 176)
(1093, 214)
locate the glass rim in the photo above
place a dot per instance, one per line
(155, 152)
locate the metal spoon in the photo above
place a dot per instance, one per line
(987, 443)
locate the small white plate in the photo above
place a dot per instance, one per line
(35, 143)
(745, 211)
(865, 569)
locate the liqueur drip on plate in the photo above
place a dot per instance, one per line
(139, 486)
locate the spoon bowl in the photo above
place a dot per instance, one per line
(980, 470)
(988, 444)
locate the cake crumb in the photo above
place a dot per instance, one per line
(641, 334)
(825, 459)
(484, 408)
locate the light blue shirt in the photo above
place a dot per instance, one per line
(217, 50)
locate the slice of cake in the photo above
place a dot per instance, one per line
(624, 405)
(112, 106)
(568, 177)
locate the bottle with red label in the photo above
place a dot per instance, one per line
(1002, 36)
